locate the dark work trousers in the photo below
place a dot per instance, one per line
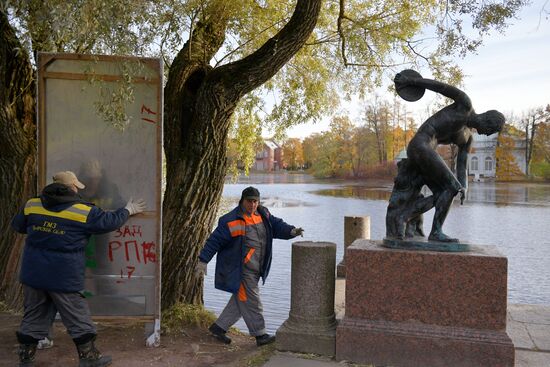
(72, 307)
(52, 315)
(246, 302)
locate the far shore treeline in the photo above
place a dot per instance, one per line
(370, 147)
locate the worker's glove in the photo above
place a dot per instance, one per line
(135, 206)
(295, 232)
(200, 269)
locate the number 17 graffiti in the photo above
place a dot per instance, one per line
(147, 112)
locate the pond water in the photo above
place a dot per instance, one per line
(515, 217)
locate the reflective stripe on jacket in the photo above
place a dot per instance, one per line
(227, 241)
(54, 257)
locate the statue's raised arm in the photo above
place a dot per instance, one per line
(409, 82)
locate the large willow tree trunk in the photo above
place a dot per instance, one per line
(17, 153)
(199, 101)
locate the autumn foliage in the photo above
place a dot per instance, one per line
(507, 168)
(364, 151)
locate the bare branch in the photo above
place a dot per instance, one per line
(341, 33)
(383, 65)
(409, 44)
(330, 38)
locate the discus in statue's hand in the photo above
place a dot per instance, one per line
(410, 93)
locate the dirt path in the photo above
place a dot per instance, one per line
(126, 344)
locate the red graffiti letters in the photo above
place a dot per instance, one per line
(112, 247)
(127, 246)
(148, 252)
(129, 231)
(134, 251)
(145, 109)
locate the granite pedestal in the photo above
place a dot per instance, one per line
(311, 323)
(422, 308)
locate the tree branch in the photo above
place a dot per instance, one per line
(247, 42)
(341, 32)
(329, 38)
(242, 76)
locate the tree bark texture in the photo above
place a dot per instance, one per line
(199, 102)
(17, 153)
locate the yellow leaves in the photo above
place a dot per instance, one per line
(541, 148)
(507, 168)
(293, 154)
(114, 98)
(86, 26)
(245, 135)
(397, 139)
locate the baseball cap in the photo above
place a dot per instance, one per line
(67, 178)
(251, 193)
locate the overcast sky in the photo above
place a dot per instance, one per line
(509, 73)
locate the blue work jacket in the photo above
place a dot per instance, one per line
(227, 241)
(58, 225)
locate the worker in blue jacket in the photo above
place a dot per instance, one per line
(58, 225)
(243, 241)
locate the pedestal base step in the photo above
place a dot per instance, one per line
(293, 338)
(410, 344)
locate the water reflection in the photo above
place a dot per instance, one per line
(510, 193)
(274, 178)
(271, 202)
(357, 192)
(500, 194)
(277, 202)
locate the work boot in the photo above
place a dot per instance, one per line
(26, 355)
(219, 333)
(89, 356)
(264, 339)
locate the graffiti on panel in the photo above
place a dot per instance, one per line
(128, 246)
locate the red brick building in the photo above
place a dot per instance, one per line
(269, 158)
